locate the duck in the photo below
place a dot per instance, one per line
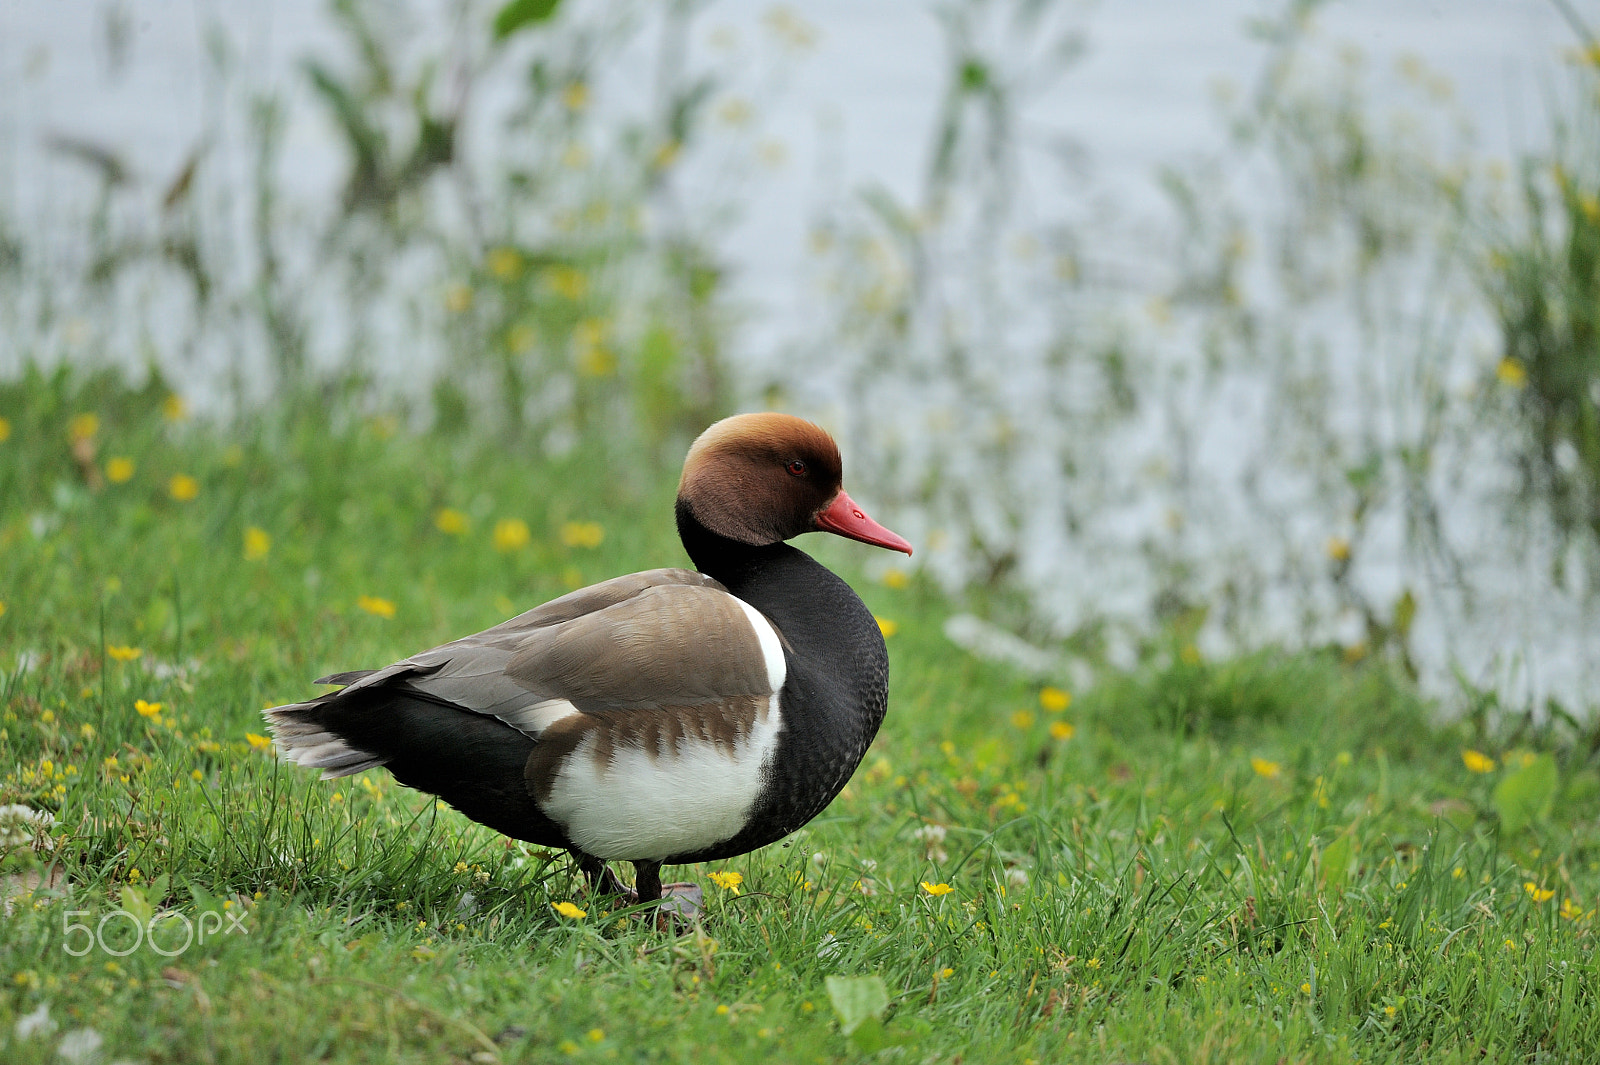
(665, 717)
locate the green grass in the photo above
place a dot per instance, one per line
(1276, 858)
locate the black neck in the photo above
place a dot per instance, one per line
(729, 561)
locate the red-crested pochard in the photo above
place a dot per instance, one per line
(663, 717)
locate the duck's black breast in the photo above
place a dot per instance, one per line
(833, 699)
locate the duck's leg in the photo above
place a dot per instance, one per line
(682, 901)
(602, 881)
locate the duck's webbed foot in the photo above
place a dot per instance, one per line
(680, 904)
(602, 881)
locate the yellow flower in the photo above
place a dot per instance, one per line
(1054, 699)
(1570, 910)
(1339, 548)
(453, 522)
(1477, 761)
(895, 578)
(1190, 655)
(182, 487)
(728, 881)
(119, 470)
(147, 709)
(1061, 730)
(197, 775)
(511, 534)
(1264, 768)
(567, 282)
(594, 360)
(505, 263)
(1536, 894)
(1388, 1011)
(520, 337)
(257, 743)
(667, 154)
(945, 974)
(82, 427)
(124, 654)
(257, 542)
(457, 298)
(596, 1035)
(567, 909)
(1022, 719)
(582, 534)
(575, 96)
(1093, 963)
(887, 627)
(5, 430)
(372, 604)
(174, 409)
(1305, 989)
(1511, 373)
(936, 889)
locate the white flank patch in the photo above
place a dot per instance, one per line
(679, 801)
(532, 720)
(771, 646)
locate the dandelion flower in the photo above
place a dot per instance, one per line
(82, 427)
(1062, 730)
(936, 889)
(895, 578)
(257, 743)
(147, 709)
(1477, 761)
(567, 282)
(372, 604)
(728, 881)
(119, 470)
(452, 522)
(567, 909)
(582, 534)
(1264, 768)
(505, 263)
(1536, 893)
(1054, 700)
(257, 542)
(1511, 373)
(511, 534)
(174, 408)
(458, 298)
(182, 487)
(887, 627)
(124, 653)
(596, 1035)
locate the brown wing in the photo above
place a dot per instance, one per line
(662, 638)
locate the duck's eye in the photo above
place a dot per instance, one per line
(796, 467)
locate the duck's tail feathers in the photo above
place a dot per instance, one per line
(305, 741)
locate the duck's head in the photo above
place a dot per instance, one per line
(761, 478)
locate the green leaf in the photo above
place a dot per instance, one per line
(1405, 611)
(519, 13)
(1526, 795)
(1337, 857)
(856, 1000)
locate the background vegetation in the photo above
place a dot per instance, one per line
(1237, 797)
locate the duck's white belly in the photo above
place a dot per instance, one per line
(650, 805)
